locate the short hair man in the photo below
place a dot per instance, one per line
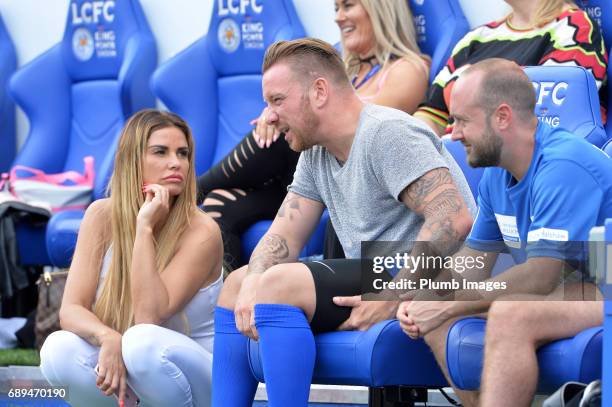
(547, 187)
(382, 174)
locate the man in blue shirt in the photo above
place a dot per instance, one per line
(545, 189)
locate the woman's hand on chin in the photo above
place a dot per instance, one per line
(155, 207)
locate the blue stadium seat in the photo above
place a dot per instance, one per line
(381, 356)
(439, 24)
(601, 12)
(566, 97)
(61, 236)
(572, 359)
(77, 96)
(8, 63)
(215, 84)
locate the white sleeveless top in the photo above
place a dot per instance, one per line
(199, 311)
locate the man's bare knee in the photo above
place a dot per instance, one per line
(231, 288)
(291, 284)
(508, 320)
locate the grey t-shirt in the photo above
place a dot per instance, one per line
(391, 149)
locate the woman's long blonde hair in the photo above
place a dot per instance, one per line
(114, 306)
(394, 33)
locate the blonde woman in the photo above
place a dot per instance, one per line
(137, 312)
(381, 53)
(536, 32)
(387, 68)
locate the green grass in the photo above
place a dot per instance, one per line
(21, 357)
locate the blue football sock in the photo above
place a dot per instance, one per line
(233, 384)
(288, 352)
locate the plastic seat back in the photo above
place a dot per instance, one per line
(78, 95)
(215, 84)
(439, 24)
(566, 96)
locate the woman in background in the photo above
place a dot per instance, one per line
(387, 67)
(536, 32)
(137, 312)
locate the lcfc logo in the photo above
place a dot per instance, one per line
(556, 92)
(92, 12)
(228, 35)
(82, 44)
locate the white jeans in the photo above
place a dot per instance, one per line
(165, 368)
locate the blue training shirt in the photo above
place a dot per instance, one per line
(566, 191)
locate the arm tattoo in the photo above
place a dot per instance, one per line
(435, 196)
(439, 224)
(418, 191)
(290, 203)
(272, 249)
(446, 202)
(444, 237)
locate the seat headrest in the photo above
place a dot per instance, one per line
(601, 12)
(439, 25)
(241, 30)
(566, 96)
(96, 35)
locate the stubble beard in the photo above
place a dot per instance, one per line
(487, 152)
(302, 138)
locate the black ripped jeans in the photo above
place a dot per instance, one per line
(262, 173)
